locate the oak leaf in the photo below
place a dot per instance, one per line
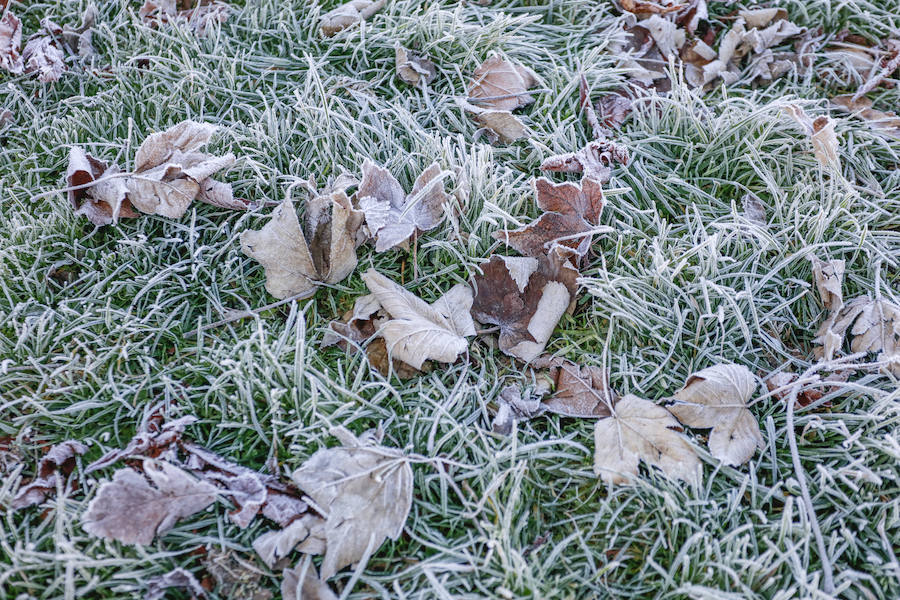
(640, 430)
(366, 490)
(348, 14)
(392, 215)
(716, 398)
(572, 214)
(298, 260)
(526, 297)
(132, 511)
(418, 331)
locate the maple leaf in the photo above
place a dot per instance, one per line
(365, 488)
(169, 169)
(418, 331)
(392, 216)
(348, 14)
(57, 463)
(579, 391)
(413, 68)
(526, 297)
(106, 200)
(640, 430)
(298, 260)
(10, 43)
(572, 214)
(595, 160)
(716, 398)
(131, 510)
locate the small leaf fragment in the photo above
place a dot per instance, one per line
(58, 462)
(348, 14)
(413, 68)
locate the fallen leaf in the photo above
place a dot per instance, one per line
(821, 132)
(306, 534)
(11, 43)
(366, 490)
(512, 407)
(572, 213)
(419, 331)
(169, 169)
(526, 297)
(716, 398)
(829, 277)
(890, 63)
(298, 261)
(392, 216)
(754, 210)
(640, 430)
(779, 384)
(614, 109)
(649, 6)
(57, 464)
(199, 14)
(312, 588)
(348, 14)
(594, 160)
(132, 511)
(6, 118)
(887, 122)
(106, 200)
(43, 57)
(499, 84)
(176, 578)
(579, 391)
(235, 577)
(499, 125)
(413, 68)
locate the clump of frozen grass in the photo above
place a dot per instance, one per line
(92, 322)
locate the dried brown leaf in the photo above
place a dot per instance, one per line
(499, 84)
(176, 578)
(312, 587)
(716, 398)
(887, 122)
(11, 43)
(43, 57)
(199, 14)
(821, 133)
(829, 277)
(235, 577)
(526, 297)
(103, 202)
(413, 68)
(650, 6)
(579, 391)
(595, 160)
(348, 14)
(640, 430)
(59, 462)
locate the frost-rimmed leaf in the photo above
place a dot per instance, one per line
(311, 588)
(104, 202)
(580, 391)
(419, 331)
(595, 160)
(348, 14)
(500, 84)
(716, 398)
(640, 430)
(57, 463)
(413, 68)
(11, 43)
(821, 133)
(133, 510)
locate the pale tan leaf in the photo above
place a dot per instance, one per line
(821, 133)
(348, 14)
(43, 57)
(640, 430)
(312, 587)
(413, 68)
(11, 43)
(106, 200)
(499, 84)
(306, 534)
(829, 277)
(716, 398)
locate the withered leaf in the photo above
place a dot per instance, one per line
(366, 489)
(595, 160)
(306, 534)
(829, 277)
(176, 578)
(650, 6)
(419, 331)
(640, 430)
(890, 64)
(579, 391)
(169, 169)
(512, 407)
(11, 43)
(499, 84)
(780, 386)
(887, 122)
(821, 133)
(716, 398)
(312, 587)
(43, 57)
(131, 510)
(875, 328)
(58, 462)
(498, 125)
(526, 297)
(106, 200)
(348, 14)
(413, 68)
(572, 212)
(199, 14)
(392, 216)
(235, 577)
(297, 261)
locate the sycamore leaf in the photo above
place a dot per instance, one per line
(11, 43)
(131, 510)
(526, 297)
(104, 202)
(716, 398)
(57, 463)
(640, 430)
(169, 169)
(348, 14)
(419, 331)
(312, 587)
(579, 391)
(366, 491)
(176, 578)
(499, 84)
(413, 68)
(572, 212)
(829, 277)
(595, 160)
(298, 261)
(821, 133)
(392, 216)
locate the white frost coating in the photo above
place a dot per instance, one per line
(520, 269)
